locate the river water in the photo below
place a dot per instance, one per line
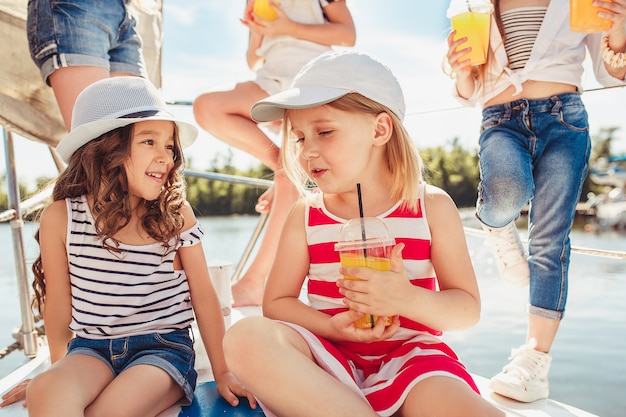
(589, 354)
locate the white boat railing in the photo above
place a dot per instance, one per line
(575, 249)
(27, 335)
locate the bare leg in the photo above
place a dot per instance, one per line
(543, 331)
(249, 289)
(226, 115)
(69, 82)
(141, 390)
(446, 397)
(276, 365)
(68, 387)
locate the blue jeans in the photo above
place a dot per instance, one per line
(536, 151)
(172, 352)
(98, 33)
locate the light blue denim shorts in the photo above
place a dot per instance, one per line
(100, 33)
(172, 352)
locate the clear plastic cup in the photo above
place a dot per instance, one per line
(365, 242)
(471, 19)
(583, 17)
(264, 9)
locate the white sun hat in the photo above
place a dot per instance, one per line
(116, 102)
(330, 76)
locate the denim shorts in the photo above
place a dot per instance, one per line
(99, 33)
(172, 352)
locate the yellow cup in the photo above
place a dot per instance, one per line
(475, 27)
(264, 9)
(367, 321)
(583, 17)
(365, 242)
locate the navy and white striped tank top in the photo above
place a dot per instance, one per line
(130, 292)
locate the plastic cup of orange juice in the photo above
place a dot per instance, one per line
(583, 17)
(264, 9)
(365, 242)
(471, 19)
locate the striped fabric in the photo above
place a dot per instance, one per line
(521, 27)
(382, 372)
(131, 292)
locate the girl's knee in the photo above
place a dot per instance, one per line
(204, 106)
(244, 337)
(39, 386)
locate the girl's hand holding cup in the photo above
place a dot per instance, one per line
(344, 330)
(378, 291)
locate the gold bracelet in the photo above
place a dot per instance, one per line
(611, 58)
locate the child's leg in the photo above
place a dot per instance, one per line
(68, 387)
(141, 390)
(226, 115)
(274, 362)
(68, 82)
(249, 289)
(446, 397)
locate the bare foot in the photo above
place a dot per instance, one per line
(246, 293)
(264, 203)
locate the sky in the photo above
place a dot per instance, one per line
(204, 46)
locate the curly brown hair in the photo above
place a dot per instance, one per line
(97, 170)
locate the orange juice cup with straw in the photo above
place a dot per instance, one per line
(264, 9)
(365, 242)
(583, 17)
(471, 19)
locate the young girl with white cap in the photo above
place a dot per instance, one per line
(342, 121)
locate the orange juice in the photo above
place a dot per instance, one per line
(367, 321)
(475, 27)
(584, 17)
(264, 9)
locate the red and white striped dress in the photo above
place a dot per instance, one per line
(382, 372)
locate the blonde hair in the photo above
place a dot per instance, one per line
(403, 159)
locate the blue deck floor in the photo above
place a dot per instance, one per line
(208, 403)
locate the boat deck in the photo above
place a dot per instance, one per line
(208, 403)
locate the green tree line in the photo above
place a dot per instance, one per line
(450, 167)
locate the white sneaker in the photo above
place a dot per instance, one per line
(525, 379)
(509, 254)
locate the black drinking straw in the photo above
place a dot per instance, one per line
(363, 236)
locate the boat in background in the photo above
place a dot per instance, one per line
(610, 171)
(610, 206)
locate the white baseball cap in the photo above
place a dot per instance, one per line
(330, 76)
(116, 102)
